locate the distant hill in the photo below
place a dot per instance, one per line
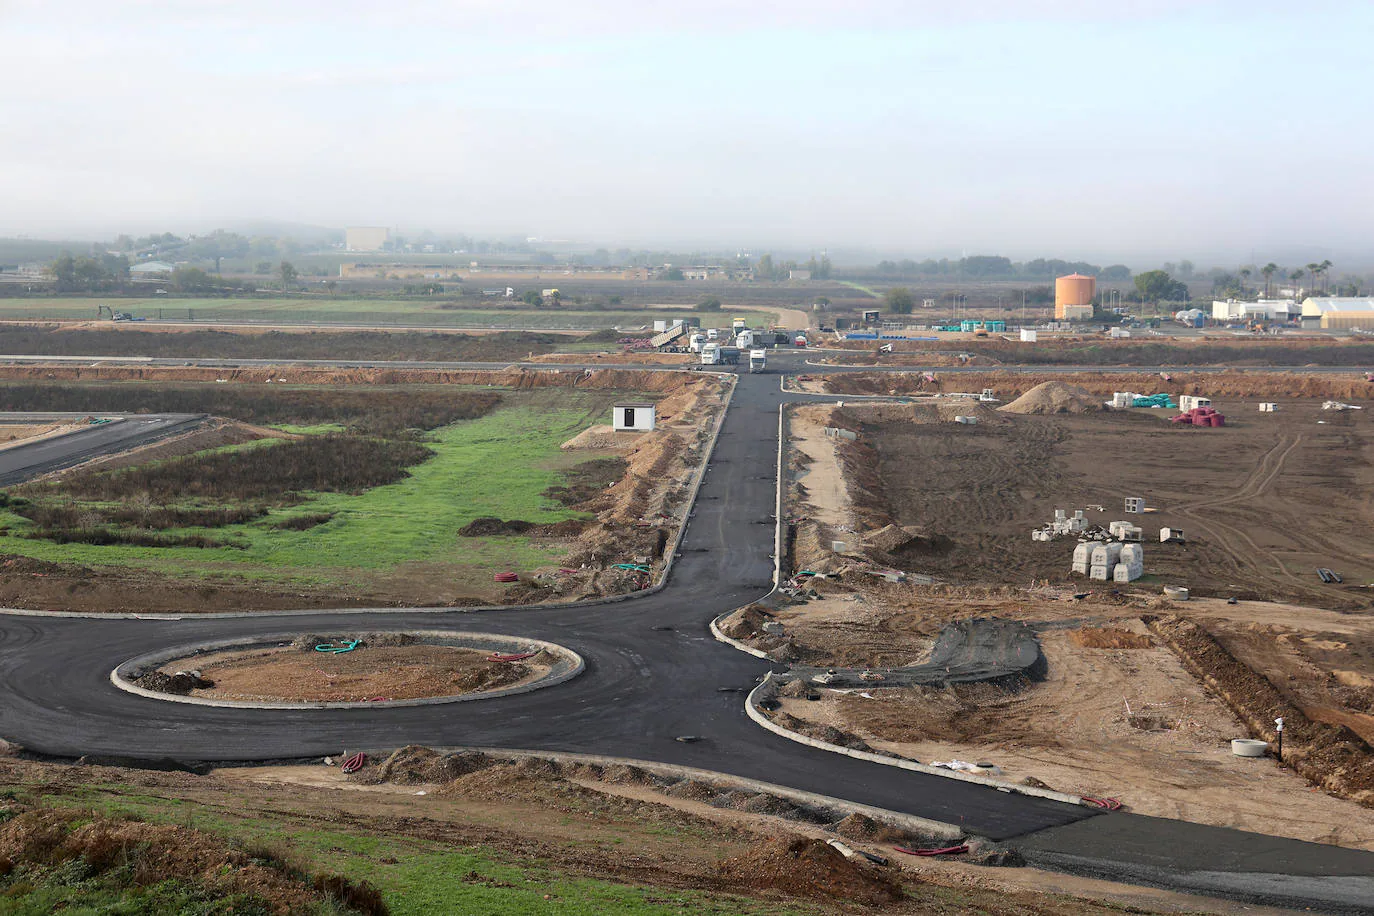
(23, 251)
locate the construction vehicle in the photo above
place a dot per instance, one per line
(710, 354)
(114, 316)
(799, 340)
(758, 360)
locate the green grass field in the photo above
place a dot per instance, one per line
(369, 312)
(497, 465)
(417, 877)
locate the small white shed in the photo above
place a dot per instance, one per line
(635, 416)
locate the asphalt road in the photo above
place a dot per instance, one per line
(23, 461)
(644, 687)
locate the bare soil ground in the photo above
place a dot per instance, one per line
(1245, 387)
(608, 825)
(367, 673)
(1243, 495)
(1119, 714)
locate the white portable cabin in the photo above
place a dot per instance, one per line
(1187, 402)
(635, 416)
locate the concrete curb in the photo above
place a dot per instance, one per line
(570, 663)
(829, 804)
(700, 478)
(735, 643)
(769, 686)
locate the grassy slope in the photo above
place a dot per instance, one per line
(496, 465)
(419, 877)
(344, 311)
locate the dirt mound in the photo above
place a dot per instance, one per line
(863, 829)
(1055, 397)
(488, 526)
(130, 853)
(746, 623)
(692, 790)
(804, 867)
(624, 774)
(794, 689)
(1109, 638)
(416, 765)
(602, 437)
(179, 684)
(827, 733)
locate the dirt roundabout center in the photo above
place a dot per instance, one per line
(348, 670)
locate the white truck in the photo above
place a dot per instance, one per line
(712, 334)
(710, 354)
(745, 340)
(695, 342)
(758, 360)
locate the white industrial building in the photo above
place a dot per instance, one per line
(1262, 310)
(632, 416)
(1338, 313)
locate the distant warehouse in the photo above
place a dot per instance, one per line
(1332, 313)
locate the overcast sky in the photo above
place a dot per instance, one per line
(1023, 127)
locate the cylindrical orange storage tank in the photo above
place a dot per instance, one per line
(1075, 289)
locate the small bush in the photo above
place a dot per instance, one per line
(302, 522)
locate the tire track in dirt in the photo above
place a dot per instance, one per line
(1259, 482)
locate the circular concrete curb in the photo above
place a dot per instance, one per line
(567, 666)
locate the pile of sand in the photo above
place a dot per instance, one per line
(602, 437)
(1055, 397)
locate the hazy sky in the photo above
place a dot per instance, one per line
(1023, 127)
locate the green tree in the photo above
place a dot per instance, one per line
(1185, 269)
(1115, 272)
(709, 304)
(1325, 268)
(899, 300)
(288, 273)
(191, 280)
(1157, 285)
(530, 297)
(1268, 270)
(673, 273)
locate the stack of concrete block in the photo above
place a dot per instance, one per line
(1130, 564)
(1103, 560)
(1125, 531)
(1082, 558)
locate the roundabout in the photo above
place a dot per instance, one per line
(370, 670)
